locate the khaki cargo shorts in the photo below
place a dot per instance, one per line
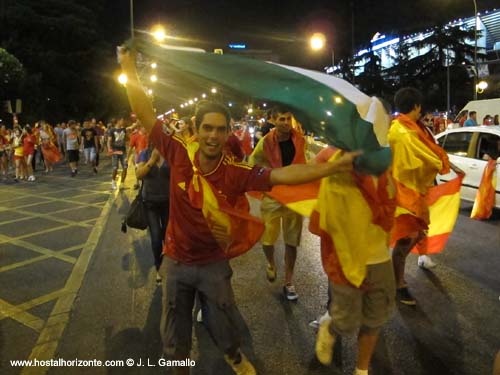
(277, 216)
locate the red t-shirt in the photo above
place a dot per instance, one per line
(29, 144)
(139, 141)
(233, 146)
(188, 238)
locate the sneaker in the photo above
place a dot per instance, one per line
(31, 178)
(243, 367)
(270, 273)
(290, 293)
(323, 318)
(113, 185)
(426, 262)
(404, 296)
(324, 344)
(199, 316)
(73, 173)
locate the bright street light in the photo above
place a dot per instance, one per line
(250, 111)
(154, 78)
(481, 86)
(154, 65)
(214, 90)
(203, 96)
(182, 105)
(150, 92)
(195, 99)
(122, 78)
(190, 102)
(158, 33)
(317, 41)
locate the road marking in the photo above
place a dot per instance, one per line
(52, 332)
(38, 258)
(8, 310)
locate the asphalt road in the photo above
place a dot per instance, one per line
(115, 314)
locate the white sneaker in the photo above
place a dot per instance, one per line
(244, 367)
(199, 316)
(324, 344)
(113, 185)
(31, 178)
(426, 262)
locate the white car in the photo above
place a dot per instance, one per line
(469, 149)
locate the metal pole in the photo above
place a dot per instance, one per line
(132, 19)
(448, 82)
(475, 49)
(333, 61)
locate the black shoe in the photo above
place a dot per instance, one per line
(404, 296)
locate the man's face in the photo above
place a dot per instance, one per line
(283, 122)
(120, 123)
(473, 116)
(212, 135)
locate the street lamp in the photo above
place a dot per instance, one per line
(153, 78)
(481, 86)
(132, 18)
(214, 90)
(318, 42)
(122, 78)
(158, 33)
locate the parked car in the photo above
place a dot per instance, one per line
(469, 149)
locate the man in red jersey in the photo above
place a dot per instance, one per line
(195, 260)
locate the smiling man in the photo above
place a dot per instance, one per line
(196, 259)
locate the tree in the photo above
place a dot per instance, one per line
(445, 45)
(11, 75)
(67, 61)
(371, 81)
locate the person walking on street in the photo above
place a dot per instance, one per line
(117, 149)
(282, 146)
(199, 241)
(417, 159)
(154, 172)
(71, 142)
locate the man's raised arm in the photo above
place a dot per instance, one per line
(295, 174)
(139, 101)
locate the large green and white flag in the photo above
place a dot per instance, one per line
(325, 105)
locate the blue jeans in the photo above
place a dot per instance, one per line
(157, 214)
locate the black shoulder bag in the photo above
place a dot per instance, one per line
(136, 215)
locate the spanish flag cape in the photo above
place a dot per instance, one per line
(417, 159)
(485, 197)
(267, 152)
(272, 152)
(353, 217)
(234, 229)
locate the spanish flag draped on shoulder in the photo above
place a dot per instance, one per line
(353, 218)
(417, 159)
(234, 229)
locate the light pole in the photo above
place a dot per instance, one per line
(475, 49)
(132, 18)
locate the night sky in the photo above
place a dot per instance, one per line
(284, 26)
